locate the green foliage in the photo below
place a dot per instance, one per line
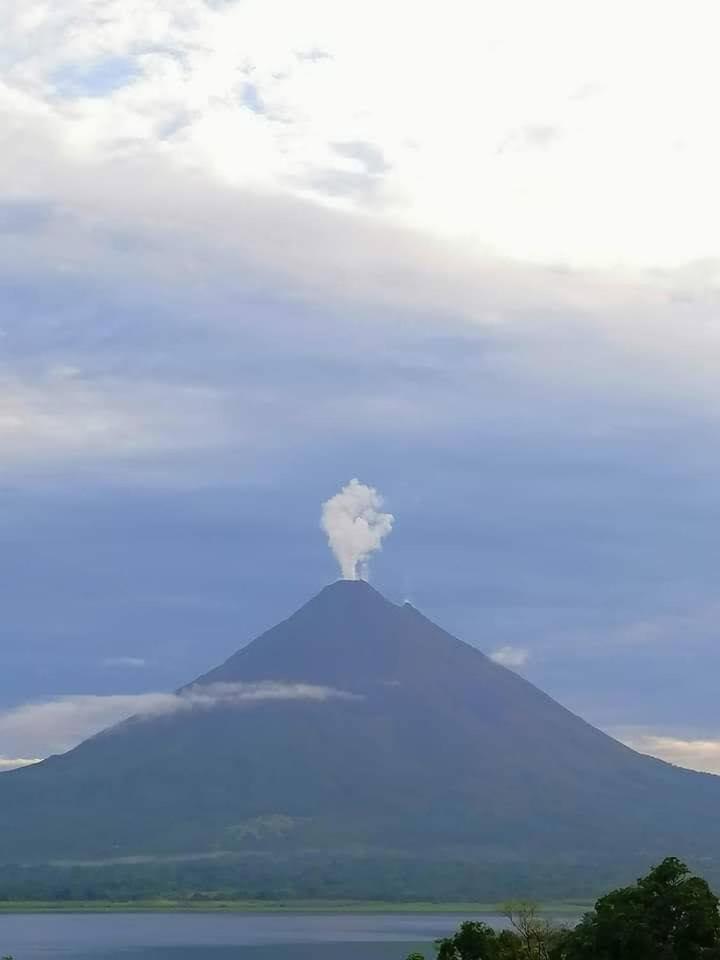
(473, 941)
(361, 876)
(667, 915)
(670, 914)
(532, 938)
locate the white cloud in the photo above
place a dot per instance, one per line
(521, 141)
(131, 662)
(7, 763)
(694, 753)
(473, 171)
(55, 726)
(511, 656)
(63, 414)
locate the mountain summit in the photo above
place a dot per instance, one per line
(356, 728)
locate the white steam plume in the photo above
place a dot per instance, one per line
(355, 527)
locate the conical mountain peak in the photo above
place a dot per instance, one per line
(345, 636)
(349, 592)
(380, 731)
(346, 586)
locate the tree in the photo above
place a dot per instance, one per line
(473, 941)
(667, 915)
(536, 934)
(531, 938)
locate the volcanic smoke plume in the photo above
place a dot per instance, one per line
(355, 527)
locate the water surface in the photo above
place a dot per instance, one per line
(193, 936)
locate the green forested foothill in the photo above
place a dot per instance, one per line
(314, 877)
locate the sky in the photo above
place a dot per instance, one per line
(468, 253)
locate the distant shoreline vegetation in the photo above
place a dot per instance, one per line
(203, 904)
(271, 882)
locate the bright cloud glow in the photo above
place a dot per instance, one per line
(484, 162)
(693, 753)
(515, 127)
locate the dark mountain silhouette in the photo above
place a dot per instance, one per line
(372, 732)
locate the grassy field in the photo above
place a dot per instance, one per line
(571, 908)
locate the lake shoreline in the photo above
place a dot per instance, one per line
(318, 907)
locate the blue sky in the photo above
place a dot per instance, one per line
(219, 306)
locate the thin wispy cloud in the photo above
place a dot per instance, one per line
(62, 414)
(8, 763)
(511, 656)
(130, 662)
(55, 726)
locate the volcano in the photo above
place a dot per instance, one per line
(357, 729)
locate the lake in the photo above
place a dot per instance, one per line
(187, 936)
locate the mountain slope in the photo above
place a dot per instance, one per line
(358, 726)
